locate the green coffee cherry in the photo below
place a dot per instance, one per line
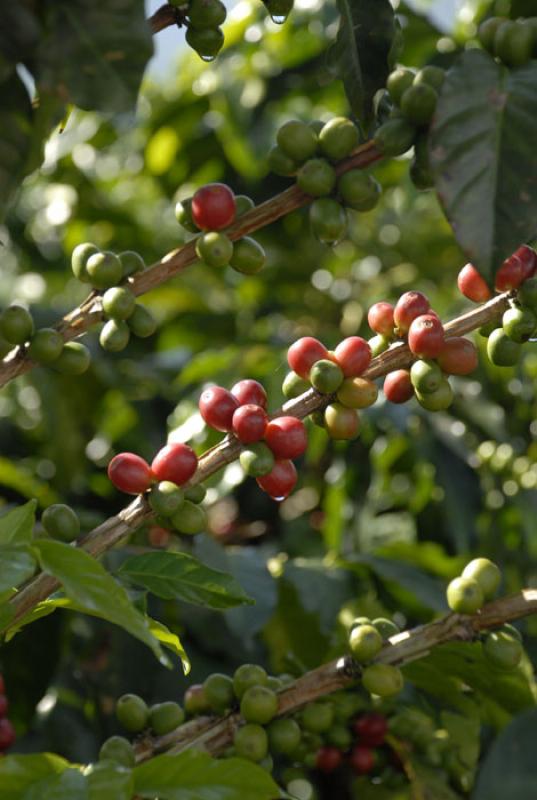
(432, 76)
(189, 518)
(61, 522)
(341, 422)
(104, 270)
(74, 359)
(195, 700)
(386, 627)
(519, 324)
(418, 103)
(426, 376)
(131, 262)
(340, 736)
(119, 302)
(527, 292)
(317, 177)
(141, 322)
(421, 177)
(464, 595)
(486, 32)
(251, 742)
(359, 190)
(165, 717)
(257, 460)
(79, 260)
(502, 650)
(317, 417)
(439, 400)
(259, 704)
(46, 346)
(395, 137)
(513, 43)
(325, 376)
(243, 204)
(280, 163)
(328, 220)
(274, 683)
(383, 680)
(378, 344)
(501, 350)
(119, 750)
(246, 676)
(357, 393)
(196, 494)
(206, 13)
(398, 82)
(183, 215)
(486, 573)
(293, 385)
(318, 717)
(248, 256)
(214, 248)
(284, 736)
(486, 329)
(16, 324)
(207, 42)
(115, 335)
(165, 498)
(218, 689)
(297, 140)
(338, 138)
(365, 642)
(132, 712)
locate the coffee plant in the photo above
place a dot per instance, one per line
(267, 329)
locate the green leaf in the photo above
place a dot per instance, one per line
(70, 785)
(109, 781)
(483, 157)
(177, 576)
(18, 564)
(169, 640)
(429, 591)
(94, 54)
(17, 773)
(362, 50)
(16, 527)
(15, 135)
(510, 768)
(93, 590)
(196, 776)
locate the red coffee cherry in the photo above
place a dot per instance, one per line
(213, 207)
(458, 357)
(7, 734)
(130, 473)
(528, 259)
(380, 318)
(328, 759)
(280, 481)
(2, 685)
(249, 423)
(217, 407)
(409, 306)
(158, 536)
(362, 759)
(371, 729)
(286, 437)
(249, 392)
(426, 336)
(303, 354)
(4, 705)
(472, 285)
(353, 356)
(398, 386)
(510, 275)
(176, 463)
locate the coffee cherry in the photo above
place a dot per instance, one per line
(158, 536)
(46, 346)
(249, 392)
(132, 713)
(394, 137)
(189, 518)
(472, 285)
(183, 215)
(119, 750)
(141, 322)
(243, 204)
(432, 76)
(386, 627)
(328, 759)
(362, 759)
(248, 256)
(214, 248)
(501, 350)
(213, 207)
(259, 704)
(398, 82)
(317, 177)
(165, 717)
(246, 676)
(458, 356)
(16, 324)
(357, 393)
(510, 275)
(486, 329)
(378, 344)
(525, 254)
(165, 498)
(61, 522)
(426, 376)
(104, 270)
(341, 422)
(207, 42)
(249, 423)
(380, 318)
(510, 630)
(284, 736)
(286, 437)
(217, 407)
(464, 595)
(383, 680)
(257, 460)
(398, 387)
(426, 336)
(486, 573)
(328, 220)
(303, 354)
(196, 494)
(4, 705)
(297, 140)
(338, 138)
(280, 481)
(119, 302)
(7, 734)
(418, 103)
(371, 729)
(129, 473)
(79, 260)
(409, 306)
(527, 294)
(294, 385)
(339, 736)
(251, 742)
(353, 356)
(280, 163)
(486, 33)
(175, 462)
(195, 700)
(114, 335)
(325, 376)
(74, 359)
(206, 13)
(358, 190)
(439, 400)
(513, 43)
(365, 642)
(218, 690)
(519, 324)
(502, 650)
(131, 262)
(318, 717)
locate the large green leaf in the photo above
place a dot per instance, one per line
(15, 135)
(16, 527)
(94, 54)
(70, 785)
(109, 781)
(17, 773)
(196, 776)
(362, 51)
(177, 576)
(510, 768)
(92, 589)
(483, 156)
(17, 565)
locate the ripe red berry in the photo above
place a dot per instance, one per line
(409, 306)
(7, 734)
(426, 336)
(213, 207)
(362, 759)
(2, 685)
(303, 354)
(158, 536)
(380, 318)
(280, 481)
(398, 386)
(175, 462)
(286, 437)
(328, 759)
(472, 285)
(249, 423)
(250, 392)
(528, 259)
(458, 357)
(353, 356)
(4, 705)
(510, 275)
(217, 407)
(371, 729)
(130, 473)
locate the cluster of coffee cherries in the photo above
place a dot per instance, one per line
(45, 346)
(269, 444)
(309, 151)
(7, 731)
(211, 210)
(104, 271)
(172, 467)
(366, 640)
(466, 594)
(513, 42)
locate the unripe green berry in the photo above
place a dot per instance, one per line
(195, 700)
(383, 680)
(365, 642)
(45, 346)
(464, 595)
(357, 393)
(513, 43)
(519, 324)
(214, 248)
(280, 163)
(338, 138)
(259, 704)
(196, 494)
(293, 385)
(486, 573)
(119, 750)
(341, 422)
(284, 736)
(432, 76)
(243, 204)
(297, 140)
(119, 302)
(141, 322)
(398, 82)
(418, 103)
(207, 42)
(358, 190)
(61, 522)
(165, 498)
(501, 350)
(502, 650)
(325, 376)
(246, 676)
(189, 518)
(104, 270)
(386, 627)
(378, 344)
(257, 460)
(74, 359)
(395, 137)
(183, 215)
(328, 220)
(439, 400)
(527, 293)
(426, 376)
(248, 256)
(219, 692)
(79, 260)
(318, 717)
(165, 717)
(115, 335)
(317, 177)
(251, 742)
(16, 324)
(132, 712)
(131, 262)
(486, 32)
(206, 13)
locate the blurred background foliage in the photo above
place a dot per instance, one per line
(377, 525)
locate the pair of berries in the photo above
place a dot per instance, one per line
(515, 270)
(7, 731)
(369, 731)
(131, 474)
